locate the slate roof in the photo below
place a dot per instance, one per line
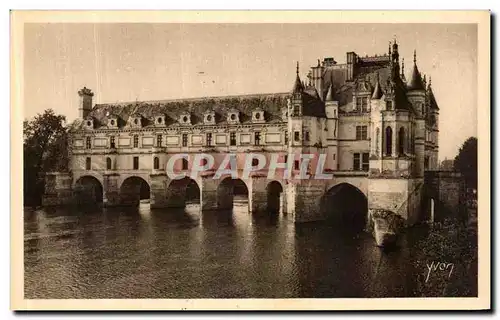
(272, 105)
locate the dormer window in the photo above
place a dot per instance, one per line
(258, 116)
(159, 120)
(233, 116)
(89, 123)
(209, 117)
(185, 118)
(136, 120)
(112, 122)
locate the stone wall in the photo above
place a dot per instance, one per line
(447, 189)
(307, 198)
(58, 189)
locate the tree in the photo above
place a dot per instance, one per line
(45, 150)
(466, 162)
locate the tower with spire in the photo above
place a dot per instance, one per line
(417, 97)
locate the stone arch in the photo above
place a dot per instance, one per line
(228, 189)
(181, 192)
(346, 207)
(88, 190)
(275, 194)
(133, 190)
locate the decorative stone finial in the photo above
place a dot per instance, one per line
(297, 67)
(414, 56)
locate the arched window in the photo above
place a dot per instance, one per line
(388, 141)
(156, 163)
(401, 141)
(184, 164)
(108, 163)
(88, 164)
(377, 141)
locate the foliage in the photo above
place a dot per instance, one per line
(466, 162)
(450, 242)
(45, 150)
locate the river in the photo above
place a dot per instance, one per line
(143, 253)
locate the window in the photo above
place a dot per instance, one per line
(296, 165)
(389, 105)
(365, 163)
(159, 140)
(255, 162)
(112, 142)
(296, 110)
(426, 162)
(361, 161)
(88, 143)
(388, 141)
(156, 163)
(361, 133)
(401, 141)
(296, 136)
(88, 164)
(362, 104)
(286, 138)
(257, 138)
(136, 141)
(377, 141)
(184, 139)
(232, 138)
(334, 156)
(108, 163)
(136, 163)
(356, 162)
(184, 164)
(306, 135)
(209, 139)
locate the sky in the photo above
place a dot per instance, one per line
(141, 61)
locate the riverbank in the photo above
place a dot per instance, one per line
(448, 258)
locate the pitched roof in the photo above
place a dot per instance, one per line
(272, 104)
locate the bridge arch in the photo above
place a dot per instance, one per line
(181, 192)
(228, 189)
(345, 206)
(274, 196)
(133, 190)
(88, 190)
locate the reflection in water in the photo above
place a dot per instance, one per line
(186, 253)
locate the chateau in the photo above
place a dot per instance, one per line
(378, 129)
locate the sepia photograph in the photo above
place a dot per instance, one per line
(170, 159)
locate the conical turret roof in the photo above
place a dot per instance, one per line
(298, 86)
(329, 95)
(377, 92)
(432, 100)
(416, 82)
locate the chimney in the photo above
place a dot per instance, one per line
(351, 64)
(85, 104)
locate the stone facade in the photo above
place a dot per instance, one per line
(378, 131)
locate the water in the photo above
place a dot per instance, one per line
(143, 253)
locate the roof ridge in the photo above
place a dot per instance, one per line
(193, 99)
